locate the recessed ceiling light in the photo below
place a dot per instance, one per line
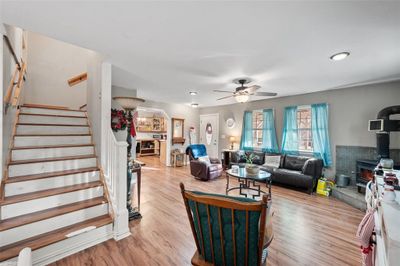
(193, 93)
(340, 56)
(194, 105)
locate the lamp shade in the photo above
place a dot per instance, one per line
(232, 139)
(128, 103)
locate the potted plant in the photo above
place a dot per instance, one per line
(251, 168)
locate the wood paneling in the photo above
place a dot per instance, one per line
(308, 229)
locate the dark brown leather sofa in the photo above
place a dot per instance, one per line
(200, 169)
(298, 171)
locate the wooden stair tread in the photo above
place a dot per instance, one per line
(52, 159)
(60, 108)
(51, 135)
(51, 146)
(48, 192)
(49, 213)
(50, 174)
(53, 125)
(52, 115)
(12, 250)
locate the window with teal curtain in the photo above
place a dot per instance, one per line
(320, 133)
(290, 143)
(246, 141)
(269, 143)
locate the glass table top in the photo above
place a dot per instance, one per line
(242, 173)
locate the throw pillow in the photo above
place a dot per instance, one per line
(272, 160)
(205, 159)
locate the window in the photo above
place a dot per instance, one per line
(258, 131)
(258, 125)
(304, 129)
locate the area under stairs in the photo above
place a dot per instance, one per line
(52, 199)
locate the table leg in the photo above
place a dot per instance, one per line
(227, 183)
(139, 177)
(269, 185)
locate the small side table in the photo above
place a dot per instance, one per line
(178, 159)
(136, 168)
(226, 158)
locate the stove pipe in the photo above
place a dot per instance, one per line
(383, 137)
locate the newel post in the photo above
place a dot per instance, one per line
(121, 219)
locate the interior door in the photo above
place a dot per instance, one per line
(209, 133)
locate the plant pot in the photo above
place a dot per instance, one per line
(252, 169)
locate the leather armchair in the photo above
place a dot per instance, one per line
(200, 169)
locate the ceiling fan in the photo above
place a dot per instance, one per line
(242, 93)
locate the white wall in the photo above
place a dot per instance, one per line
(349, 110)
(95, 97)
(51, 64)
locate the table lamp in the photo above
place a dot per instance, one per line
(232, 141)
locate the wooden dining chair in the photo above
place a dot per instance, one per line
(228, 230)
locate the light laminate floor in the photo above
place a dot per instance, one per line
(309, 230)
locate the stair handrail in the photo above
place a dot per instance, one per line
(115, 177)
(19, 84)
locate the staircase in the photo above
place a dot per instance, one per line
(53, 199)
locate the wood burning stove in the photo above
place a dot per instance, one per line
(364, 172)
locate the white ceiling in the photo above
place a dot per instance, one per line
(166, 49)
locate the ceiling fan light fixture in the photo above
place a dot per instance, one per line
(193, 93)
(242, 98)
(194, 105)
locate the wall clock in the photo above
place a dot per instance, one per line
(230, 123)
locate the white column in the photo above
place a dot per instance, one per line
(121, 220)
(105, 107)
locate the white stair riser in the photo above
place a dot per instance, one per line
(51, 120)
(54, 252)
(46, 167)
(59, 250)
(33, 229)
(23, 129)
(50, 111)
(17, 188)
(27, 154)
(20, 141)
(25, 207)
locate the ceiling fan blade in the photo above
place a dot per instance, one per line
(262, 93)
(226, 97)
(252, 89)
(223, 91)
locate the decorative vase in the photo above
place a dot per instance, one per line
(252, 169)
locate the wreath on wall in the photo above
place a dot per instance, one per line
(118, 120)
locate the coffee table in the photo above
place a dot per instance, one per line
(248, 182)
